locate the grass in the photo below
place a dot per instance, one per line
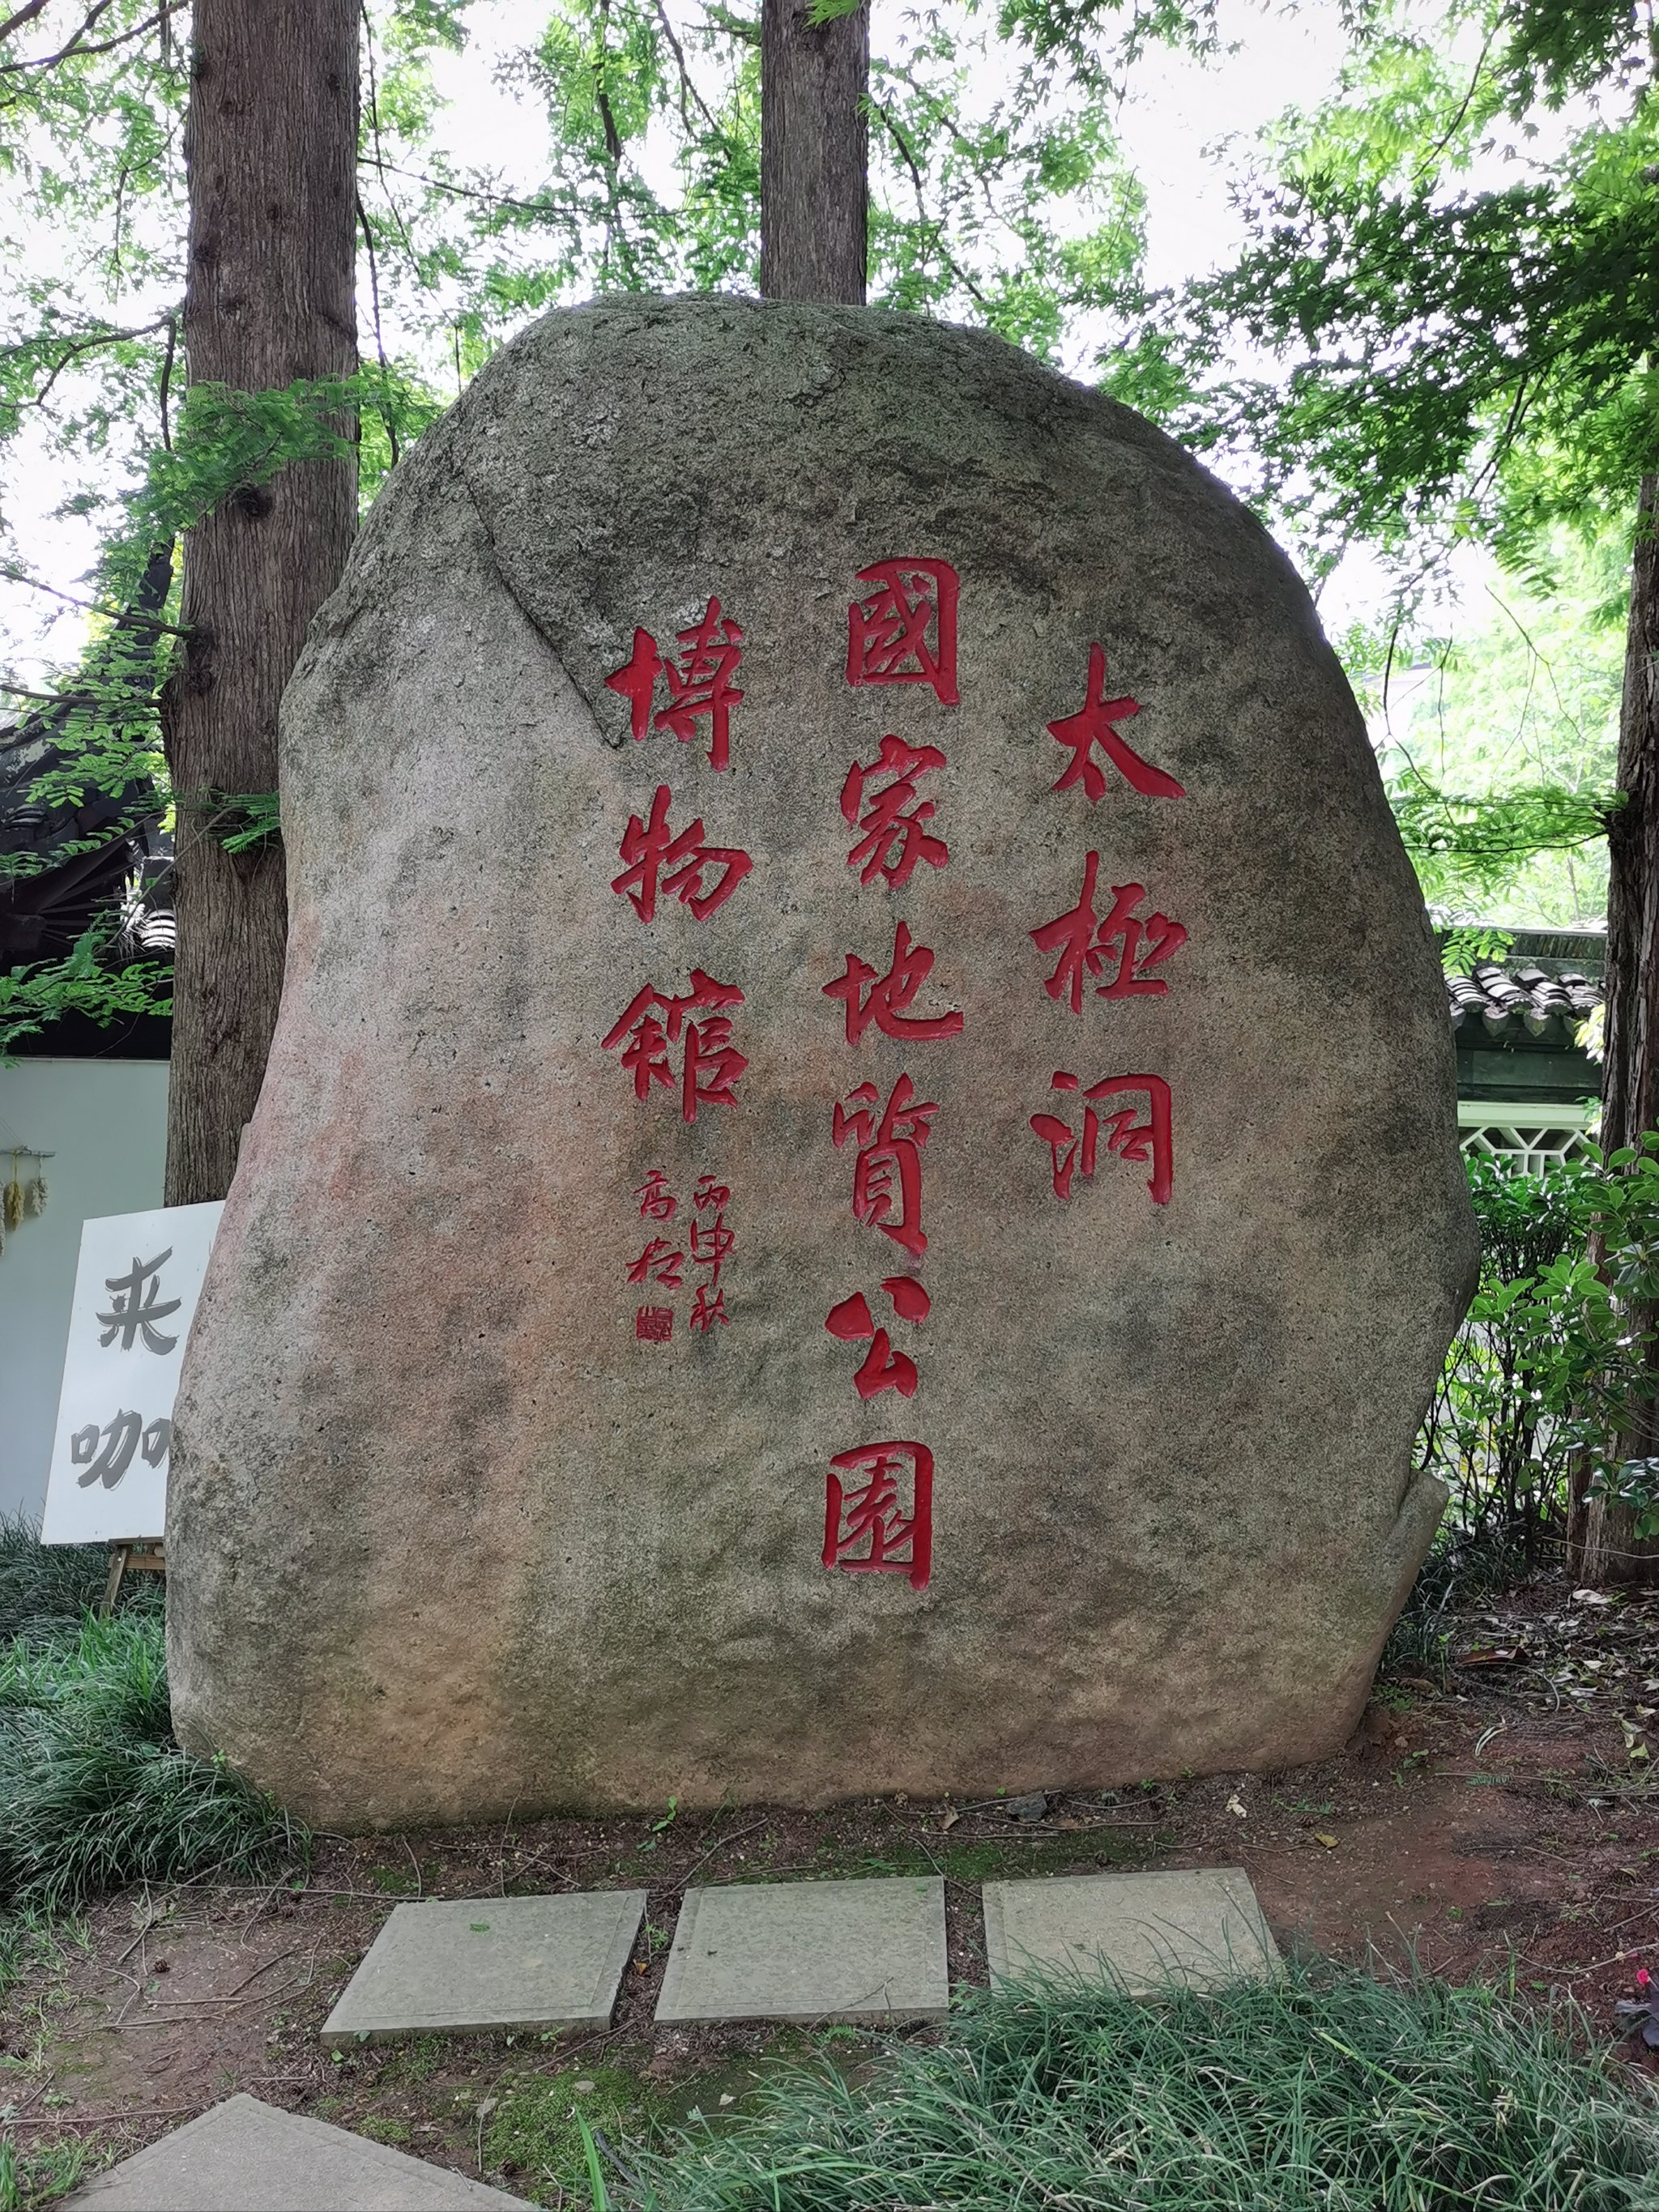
(34, 2177)
(1328, 2090)
(992, 1859)
(95, 1793)
(534, 2133)
(48, 1588)
(1461, 1567)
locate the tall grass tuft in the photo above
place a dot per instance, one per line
(46, 1588)
(95, 1793)
(1328, 2090)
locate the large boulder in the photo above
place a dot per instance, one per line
(891, 1231)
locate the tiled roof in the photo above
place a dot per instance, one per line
(1544, 984)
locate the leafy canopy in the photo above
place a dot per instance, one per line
(998, 197)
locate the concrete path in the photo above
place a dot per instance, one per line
(1190, 1929)
(244, 2156)
(491, 1962)
(809, 1951)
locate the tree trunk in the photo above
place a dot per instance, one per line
(815, 153)
(1602, 1544)
(270, 150)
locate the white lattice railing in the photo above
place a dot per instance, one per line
(1534, 1135)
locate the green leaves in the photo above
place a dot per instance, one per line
(246, 822)
(1554, 1358)
(1479, 844)
(1634, 1483)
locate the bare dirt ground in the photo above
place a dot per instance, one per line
(1500, 1823)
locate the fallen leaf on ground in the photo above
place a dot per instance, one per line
(1329, 1842)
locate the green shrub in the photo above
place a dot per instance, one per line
(94, 1791)
(1554, 1360)
(1328, 2090)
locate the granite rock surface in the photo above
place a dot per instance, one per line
(479, 1498)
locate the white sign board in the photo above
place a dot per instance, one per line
(134, 1296)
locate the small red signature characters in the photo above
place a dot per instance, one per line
(1084, 943)
(699, 686)
(883, 1000)
(659, 1262)
(887, 1175)
(867, 1529)
(657, 1201)
(853, 1322)
(653, 850)
(1130, 1139)
(653, 1022)
(894, 839)
(903, 630)
(1096, 724)
(655, 1324)
(711, 1244)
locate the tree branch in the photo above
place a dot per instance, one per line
(25, 14)
(469, 192)
(91, 606)
(937, 229)
(686, 85)
(166, 380)
(75, 52)
(85, 345)
(378, 161)
(379, 340)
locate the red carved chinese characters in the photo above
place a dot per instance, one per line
(894, 821)
(852, 1323)
(866, 1527)
(653, 850)
(699, 682)
(657, 1201)
(1096, 724)
(659, 1262)
(1074, 1150)
(654, 1022)
(883, 1000)
(1084, 942)
(710, 1243)
(887, 1174)
(903, 630)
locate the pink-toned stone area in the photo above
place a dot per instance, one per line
(459, 1522)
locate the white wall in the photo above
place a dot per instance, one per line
(107, 1121)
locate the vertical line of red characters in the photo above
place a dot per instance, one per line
(660, 862)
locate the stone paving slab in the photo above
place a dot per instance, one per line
(1196, 1929)
(244, 2156)
(491, 1962)
(810, 1950)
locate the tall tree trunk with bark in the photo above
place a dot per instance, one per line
(1602, 1544)
(815, 153)
(270, 148)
